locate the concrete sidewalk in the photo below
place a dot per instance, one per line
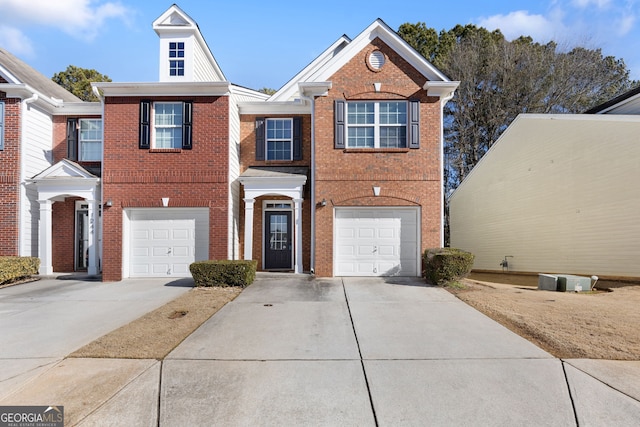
(291, 350)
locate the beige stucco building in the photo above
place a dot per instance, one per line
(557, 193)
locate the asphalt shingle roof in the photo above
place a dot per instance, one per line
(28, 75)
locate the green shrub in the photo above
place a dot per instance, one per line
(223, 272)
(16, 267)
(444, 265)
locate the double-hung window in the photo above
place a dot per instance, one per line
(379, 124)
(84, 140)
(176, 58)
(384, 124)
(90, 140)
(279, 139)
(165, 125)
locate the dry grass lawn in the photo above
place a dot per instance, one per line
(155, 334)
(600, 325)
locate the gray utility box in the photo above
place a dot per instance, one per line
(547, 282)
(563, 283)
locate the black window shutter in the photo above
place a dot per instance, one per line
(260, 135)
(187, 117)
(340, 124)
(145, 125)
(72, 139)
(297, 138)
(414, 124)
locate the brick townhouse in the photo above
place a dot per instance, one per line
(338, 173)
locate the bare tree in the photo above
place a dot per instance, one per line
(501, 79)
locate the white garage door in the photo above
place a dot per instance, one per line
(376, 242)
(163, 242)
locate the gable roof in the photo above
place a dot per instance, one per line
(552, 133)
(342, 51)
(627, 103)
(15, 71)
(176, 21)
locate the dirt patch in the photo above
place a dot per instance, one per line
(600, 325)
(155, 334)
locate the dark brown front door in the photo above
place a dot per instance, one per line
(278, 238)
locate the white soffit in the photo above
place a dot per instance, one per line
(164, 89)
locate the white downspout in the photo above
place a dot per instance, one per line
(443, 101)
(23, 190)
(312, 261)
(100, 217)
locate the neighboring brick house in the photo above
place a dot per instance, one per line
(338, 173)
(49, 177)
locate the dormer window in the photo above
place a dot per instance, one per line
(176, 58)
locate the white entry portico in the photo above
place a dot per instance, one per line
(274, 181)
(56, 183)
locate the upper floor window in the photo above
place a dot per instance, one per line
(279, 139)
(380, 124)
(90, 140)
(376, 124)
(176, 58)
(165, 125)
(84, 140)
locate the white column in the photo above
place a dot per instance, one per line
(248, 228)
(297, 215)
(45, 248)
(92, 269)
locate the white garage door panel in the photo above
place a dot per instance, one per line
(376, 242)
(164, 242)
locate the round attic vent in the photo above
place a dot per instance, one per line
(376, 60)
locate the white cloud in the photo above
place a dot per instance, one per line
(15, 41)
(625, 25)
(522, 23)
(600, 4)
(79, 18)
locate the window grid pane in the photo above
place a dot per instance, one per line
(90, 139)
(393, 113)
(279, 139)
(393, 137)
(361, 137)
(361, 113)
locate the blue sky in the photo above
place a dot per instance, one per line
(263, 44)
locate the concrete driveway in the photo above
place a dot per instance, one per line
(292, 350)
(43, 321)
(362, 351)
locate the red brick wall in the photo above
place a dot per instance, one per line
(10, 178)
(247, 159)
(140, 178)
(408, 177)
